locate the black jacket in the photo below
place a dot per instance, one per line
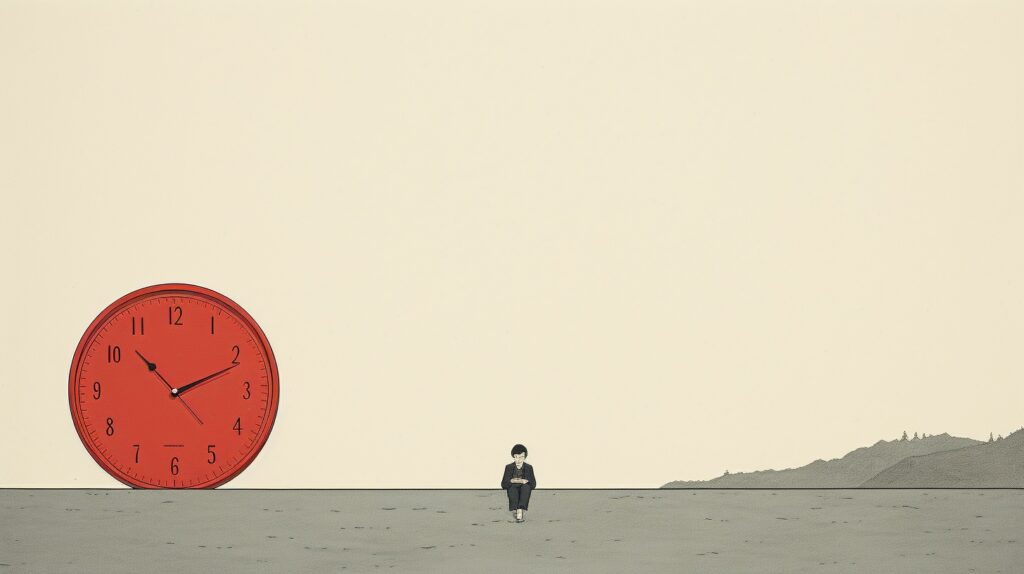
(506, 479)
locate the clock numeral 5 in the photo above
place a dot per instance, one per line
(213, 455)
(171, 319)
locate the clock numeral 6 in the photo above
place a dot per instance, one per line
(96, 390)
(174, 466)
(110, 426)
(113, 354)
(247, 394)
(171, 318)
(213, 455)
(238, 425)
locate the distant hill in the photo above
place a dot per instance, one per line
(850, 471)
(998, 464)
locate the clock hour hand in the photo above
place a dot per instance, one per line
(178, 392)
(152, 367)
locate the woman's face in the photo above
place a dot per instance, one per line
(519, 458)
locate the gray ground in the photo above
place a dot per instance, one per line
(617, 531)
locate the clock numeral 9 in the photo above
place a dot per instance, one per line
(171, 319)
(238, 426)
(113, 354)
(247, 394)
(213, 455)
(110, 426)
(174, 466)
(96, 390)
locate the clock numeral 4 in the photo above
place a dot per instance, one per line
(238, 426)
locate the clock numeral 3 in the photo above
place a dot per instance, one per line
(113, 354)
(247, 394)
(171, 318)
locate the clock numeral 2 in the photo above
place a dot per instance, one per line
(113, 354)
(171, 319)
(142, 325)
(237, 351)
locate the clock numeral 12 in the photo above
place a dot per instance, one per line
(171, 319)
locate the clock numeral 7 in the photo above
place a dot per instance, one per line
(136, 453)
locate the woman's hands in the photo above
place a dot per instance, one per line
(520, 481)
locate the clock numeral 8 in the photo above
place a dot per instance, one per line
(174, 466)
(110, 426)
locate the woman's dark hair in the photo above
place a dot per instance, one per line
(519, 449)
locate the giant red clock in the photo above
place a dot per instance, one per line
(173, 386)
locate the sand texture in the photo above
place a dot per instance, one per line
(734, 531)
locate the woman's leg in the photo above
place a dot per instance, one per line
(513, 497)
(524, 496)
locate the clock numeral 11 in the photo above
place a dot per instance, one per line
(142, 325)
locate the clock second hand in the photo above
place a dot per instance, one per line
(152, 367)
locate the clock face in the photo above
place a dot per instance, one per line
(173, 386)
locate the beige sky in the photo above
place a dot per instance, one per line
(650, 242)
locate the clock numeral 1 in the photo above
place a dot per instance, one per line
(113, 354)
(110, 426)
(213, 455)
(174, 466)
(96, 390)
(142, 325)
(211, 324)
(171, 318)
(238, 426)
(136, 453)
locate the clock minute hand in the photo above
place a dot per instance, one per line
(178, 392)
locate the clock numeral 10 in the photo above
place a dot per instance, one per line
(174, 466)
(142, 325)
(171, 318)
(113, 354)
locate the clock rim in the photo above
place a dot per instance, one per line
(185, 289)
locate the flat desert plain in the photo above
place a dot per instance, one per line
(734, 531)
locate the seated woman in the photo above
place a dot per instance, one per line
(519, 481)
